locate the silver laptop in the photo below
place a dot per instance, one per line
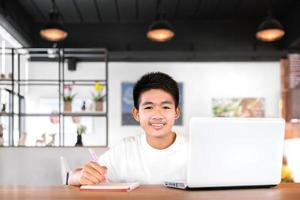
(233, 152)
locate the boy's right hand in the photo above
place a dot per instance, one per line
(92, 173)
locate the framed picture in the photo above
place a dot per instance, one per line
(127, 104)
(238, 107)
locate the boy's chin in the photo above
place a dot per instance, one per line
(158, 134)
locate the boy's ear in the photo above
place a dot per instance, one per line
(177, 112)
(135, 114)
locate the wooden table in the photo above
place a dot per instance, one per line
(281, 192)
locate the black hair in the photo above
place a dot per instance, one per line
(155, 80)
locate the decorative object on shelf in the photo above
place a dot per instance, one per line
(3, 108)
(54, 117)
(39, 142)
(99, 96)
(22, 140)
(67, 106)
(76, 119)
(1, 135)
(81, 129)
(50, 142)
(99, 106)
(45, 140)
(5, 76)
(83, 107)
(68, 97)
(286, 172)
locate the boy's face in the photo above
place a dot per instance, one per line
(156, 113)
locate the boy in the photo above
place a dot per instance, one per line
(150, 158)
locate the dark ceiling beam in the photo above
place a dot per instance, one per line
(237, 7)
(184, 56)
(61, 14)
(176, 9)
(38, 10)
(98, 11)
(292, 27)
(17, 21)
(177, 56)
(77, 10)
(196, 11)
(216, 9)
(137, 10)
(117, 10)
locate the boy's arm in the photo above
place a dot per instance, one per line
(74, 177)
(82, 176)
(91, 173)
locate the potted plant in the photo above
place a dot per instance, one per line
(68, 97)
(81, 129)
(98, 96)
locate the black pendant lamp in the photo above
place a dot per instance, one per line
(270, 30)
(160, 30)
(54, 30)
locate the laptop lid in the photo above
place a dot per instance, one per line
(234, 152)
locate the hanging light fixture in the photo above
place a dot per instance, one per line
(270, 29)
(160, 30)
(54, 30)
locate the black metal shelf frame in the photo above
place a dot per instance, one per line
(15, 83)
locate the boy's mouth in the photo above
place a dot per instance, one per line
(157, 126)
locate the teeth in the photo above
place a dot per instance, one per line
(157, 125)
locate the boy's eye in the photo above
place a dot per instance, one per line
(166, 107)
(148, 107)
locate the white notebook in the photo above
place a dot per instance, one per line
(112, 187)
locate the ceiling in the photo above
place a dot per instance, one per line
(204, 29)
(107, 11)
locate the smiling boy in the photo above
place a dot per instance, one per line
(157, 155)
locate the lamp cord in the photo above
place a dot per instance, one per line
(160, 12)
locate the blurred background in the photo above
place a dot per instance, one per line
(68, 68)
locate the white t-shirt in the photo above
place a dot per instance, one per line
(135, 160)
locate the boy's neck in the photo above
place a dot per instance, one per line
(161, 143)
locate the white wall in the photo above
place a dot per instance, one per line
(202, 82)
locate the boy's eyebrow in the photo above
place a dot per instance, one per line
(151, 103)
(147, 103)
(167, 102)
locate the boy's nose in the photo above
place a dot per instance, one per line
(156, 117)
(157, 112)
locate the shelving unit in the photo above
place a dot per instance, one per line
(22, 81)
